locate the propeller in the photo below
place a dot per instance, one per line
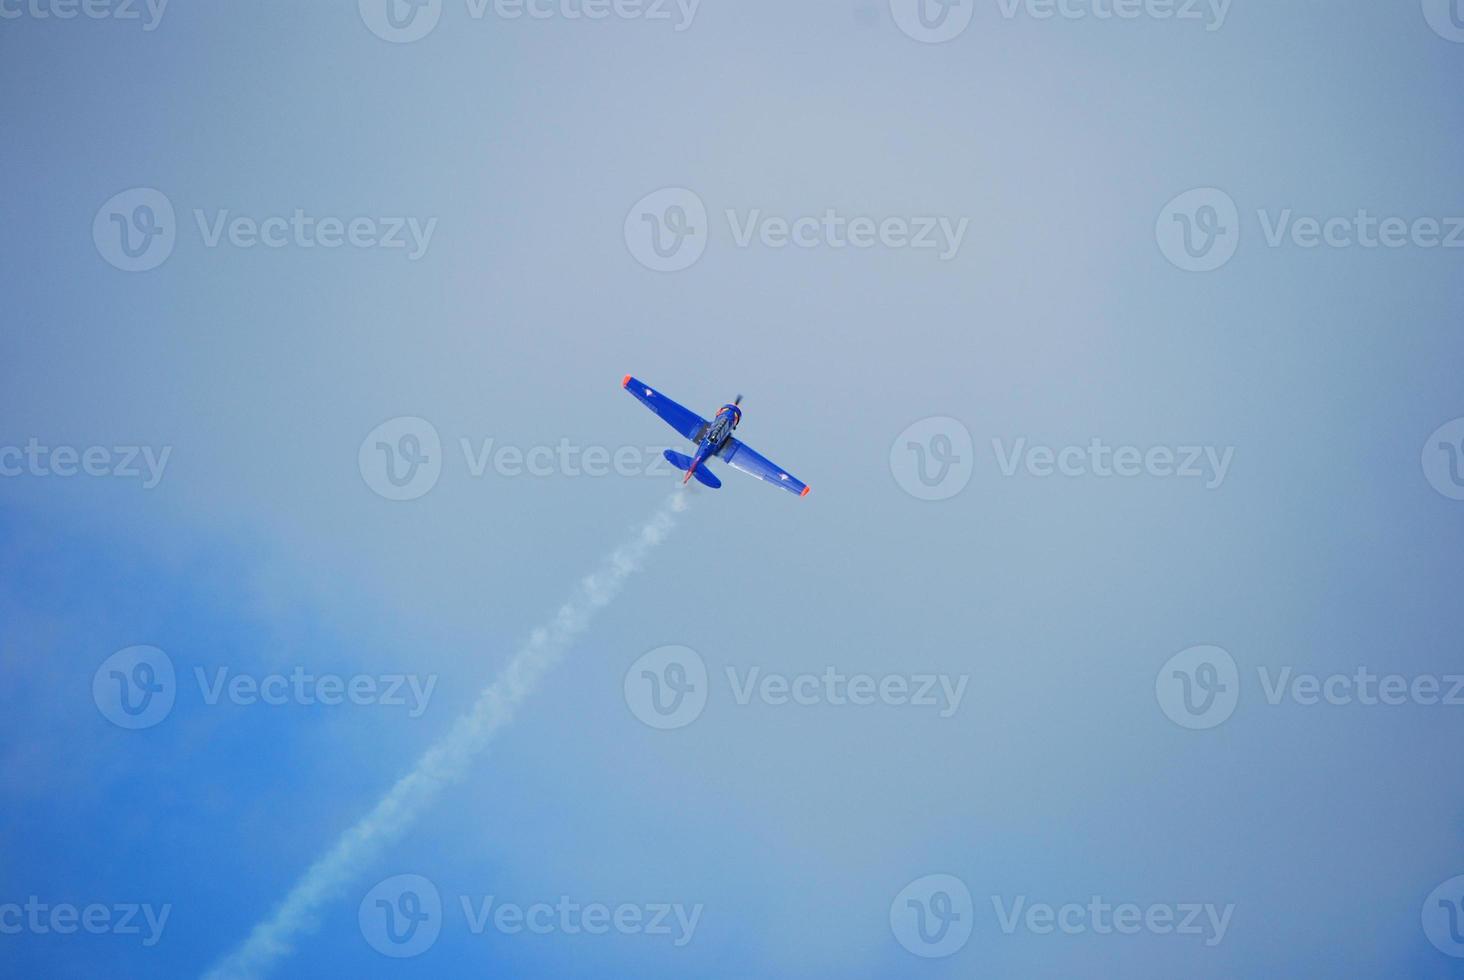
(737, 400)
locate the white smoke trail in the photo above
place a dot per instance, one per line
(446, 760)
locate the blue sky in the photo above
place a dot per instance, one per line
(520, 153)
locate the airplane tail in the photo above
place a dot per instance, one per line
(702, 474)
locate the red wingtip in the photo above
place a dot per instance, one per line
(805, 491)
(625, 381)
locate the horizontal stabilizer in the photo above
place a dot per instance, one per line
(704, 475)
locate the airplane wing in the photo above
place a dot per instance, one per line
(740, 457)
(682, 419)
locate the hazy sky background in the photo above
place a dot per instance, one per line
(1059, 320)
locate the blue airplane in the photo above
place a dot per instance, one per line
(712, 438)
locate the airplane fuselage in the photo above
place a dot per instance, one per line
(711, 440)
